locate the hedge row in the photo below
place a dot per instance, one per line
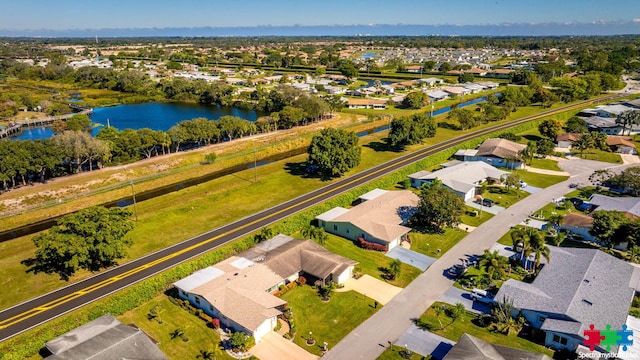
(371, 245)
(31, 342)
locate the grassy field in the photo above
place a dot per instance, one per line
(201, 337)
(454, 330)
(328, 321)
(504, 197)
(428, 244)
(371, 262)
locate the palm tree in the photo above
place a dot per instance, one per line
(628, 118)
(395, 268)
(206, 355)
(503, 316)
(555, 220)
(539, 247)
(493, 262)
(457, 311)
(439, 310)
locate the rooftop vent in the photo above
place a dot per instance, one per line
(587, 302)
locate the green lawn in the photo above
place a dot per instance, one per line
(371, 262)
(504, 197)
(428, 244)
(393, 353)
(328, 321)
(539, 180)
(468, 219)
(546, 164)
(600, 155)
(200, 336)
(454, 330)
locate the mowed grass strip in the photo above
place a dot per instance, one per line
(428, 244)
(328, 321)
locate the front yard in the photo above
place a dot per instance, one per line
(453, 330)
(371, 262)
(538, 180)
(428, 244)
(327, 321)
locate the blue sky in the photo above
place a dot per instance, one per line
(99, 14)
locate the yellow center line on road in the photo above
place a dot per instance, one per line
(435, 148)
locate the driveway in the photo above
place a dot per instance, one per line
(531, 189)
(373, 288)
(495, 209)
(411, 257)
(455, 295)
(274, 347)
(425, 342)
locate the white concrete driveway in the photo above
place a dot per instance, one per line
(274, 347)
(425, 342)
(373, 288)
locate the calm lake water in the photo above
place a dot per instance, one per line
(156, 116)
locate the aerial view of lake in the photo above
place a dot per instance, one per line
(156, 116)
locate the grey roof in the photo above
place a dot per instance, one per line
(471, 348)
(198, 278)
(332, 214)
(615, 109)
(629, 205)
(437, 94)
(601, 122)
(463, 176)
(372, 194)
(105, 338)
(587, 286)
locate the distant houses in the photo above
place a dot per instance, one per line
(238, 291)
(379, 218)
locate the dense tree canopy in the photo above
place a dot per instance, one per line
(438, 208)
(411, 130)
(90, 239)
(334, 151)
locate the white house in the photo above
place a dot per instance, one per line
(578, 224)
(380, 218)
(611, 111)
(238, 290)
(462, 179)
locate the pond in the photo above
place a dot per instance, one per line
(156, 116)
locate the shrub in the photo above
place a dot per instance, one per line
(291, 285)
(278, 326)
(216, 323)
(282, 289)
(372, 246)
(301, 280)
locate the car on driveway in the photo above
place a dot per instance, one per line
(522, 184)
(485, 202)
(456, 270)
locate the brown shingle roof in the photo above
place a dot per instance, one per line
(568, 137)
(501, 148)
(620, 141)
(576, 220)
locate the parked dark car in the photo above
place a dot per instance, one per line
(456, 270)
(485, 202)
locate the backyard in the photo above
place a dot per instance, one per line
(326, 321)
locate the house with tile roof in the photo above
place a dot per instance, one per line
(578, 224)
(239, 290)
(104, 338)
(577, 288)
(462, 178)
(496, 152)
(470, 347)
(380, 217)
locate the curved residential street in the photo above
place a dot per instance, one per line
(369, 340)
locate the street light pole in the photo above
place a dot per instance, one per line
(133, 194)
(255, 166)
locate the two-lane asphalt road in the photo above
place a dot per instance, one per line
(36, 311)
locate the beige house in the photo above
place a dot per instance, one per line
(379, 218)
(238, 291)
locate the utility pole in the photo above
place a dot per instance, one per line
(133, 194)
(255, 167)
